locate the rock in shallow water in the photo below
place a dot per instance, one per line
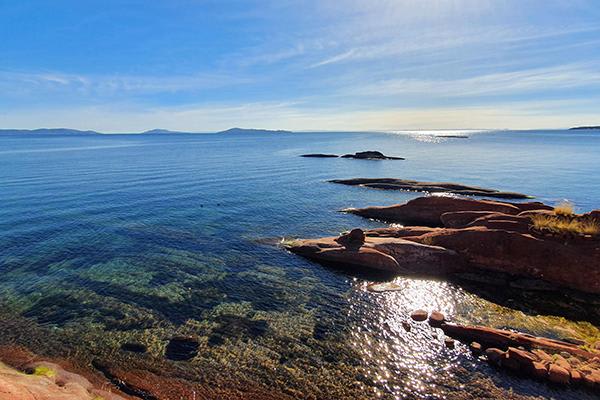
(182, 348)
(419, 315)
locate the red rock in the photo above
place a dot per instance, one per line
(475, 347)
(400, 232)
(562, 362)
(539, 370)
(523, 255)
(558, 375)
(525, 358)
(394, 255)
(510, 362)
(591, 379)
(436, 318)
(460, 219)
(503, 338)
(576, 377)
(427, 211)
(494, 355)
(542, 355)
(353, 240)
(419, 315)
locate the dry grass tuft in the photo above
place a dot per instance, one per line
(558, 224)
(564, 208)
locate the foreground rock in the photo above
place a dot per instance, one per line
(47, 381)
(541, 358)
(431, 187)
(387, 254)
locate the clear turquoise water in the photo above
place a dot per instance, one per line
(106, 239)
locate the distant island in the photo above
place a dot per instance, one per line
(47, 131)
(583, 128)
(160, 132)
(66, 131)
(243, 130)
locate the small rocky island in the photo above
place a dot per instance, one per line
(430, 187)
(497, 247)
(361, 155)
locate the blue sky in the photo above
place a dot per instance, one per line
(301, 65)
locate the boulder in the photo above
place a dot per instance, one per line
(427, 211)
(449, 342)
(558, 375)
(436, 318)
(494, 355)
(352, 240)
(540, 370)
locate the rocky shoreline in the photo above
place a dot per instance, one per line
(479, 241)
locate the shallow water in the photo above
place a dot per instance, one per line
(108, 239)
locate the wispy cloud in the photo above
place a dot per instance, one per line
(503, 83)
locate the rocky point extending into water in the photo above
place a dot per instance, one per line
(431, 187)
(455, 235)
(361, 155)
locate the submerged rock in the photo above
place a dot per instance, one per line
(181, 348)
(430, 187)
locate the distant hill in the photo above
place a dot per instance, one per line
(584, 128)
(46, 131)
(160, 132)
(242, 130)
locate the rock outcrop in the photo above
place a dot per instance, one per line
(388, 254)
(48, 381)
(460, 236)
(371, 155)
(430, 187)
(319, 155)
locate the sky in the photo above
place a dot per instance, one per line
(350, 65)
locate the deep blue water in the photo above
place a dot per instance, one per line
(124, 237)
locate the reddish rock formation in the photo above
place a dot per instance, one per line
(393, 255)
(428, 211)
(570, 265)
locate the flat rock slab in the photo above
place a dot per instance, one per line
(431, 187)
(394, 255)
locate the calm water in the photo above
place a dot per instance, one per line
(109, 239)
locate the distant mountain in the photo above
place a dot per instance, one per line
(46, 131)
(160, 132)
(242, 130)
(584, 128)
